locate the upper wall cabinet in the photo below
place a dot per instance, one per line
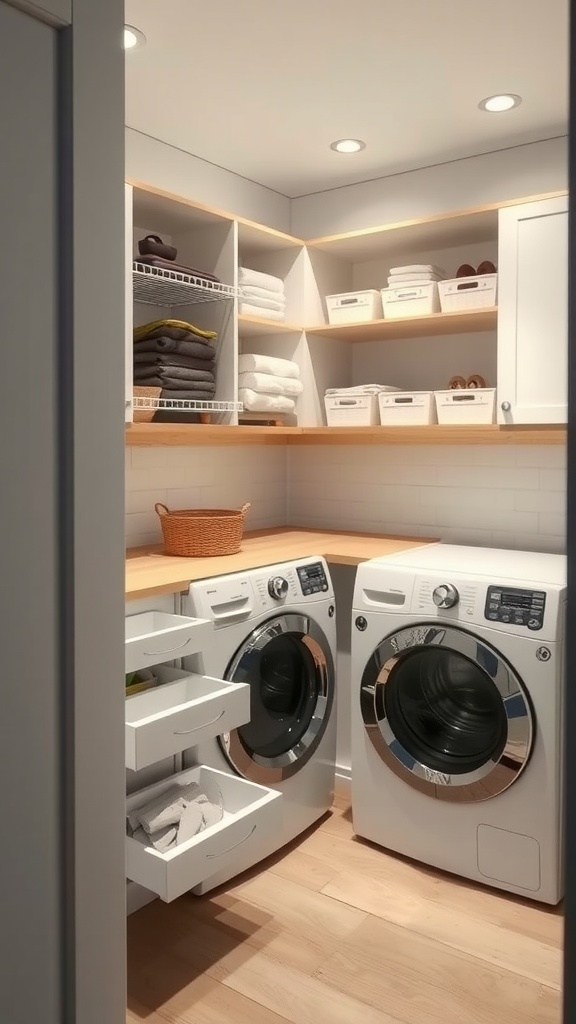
(533, 313)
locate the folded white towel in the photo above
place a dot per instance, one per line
(257, 279)
(418, 268)
(260, 363)
(166, 809)
(249, 292)
(250, 309)
(362, 389)
(255, 300)
(267, 384)
(162, 841)
(255, 402)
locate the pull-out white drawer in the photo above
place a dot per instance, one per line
(153, 637)
(251, 814)
(182, 712)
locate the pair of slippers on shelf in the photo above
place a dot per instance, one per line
(467, 270)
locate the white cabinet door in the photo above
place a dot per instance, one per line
(533, 313)
(128, 190)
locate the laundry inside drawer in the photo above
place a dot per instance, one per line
(153, 637)
(179, 713)
(251, 814)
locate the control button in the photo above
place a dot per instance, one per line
(324, 586)
(505, 618)
(278, 587)
(534, 623)
(494, 606)
(543, 654)
(445, 596)
(492, 615)
(518, 620)
(361, 623)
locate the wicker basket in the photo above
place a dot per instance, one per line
(145, 415)
(202, 532)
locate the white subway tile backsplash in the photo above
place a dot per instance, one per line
(512, 496)
(553, 479)
(540, 501)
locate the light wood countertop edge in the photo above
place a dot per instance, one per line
(337, 547)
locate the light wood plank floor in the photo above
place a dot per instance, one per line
(336, 931)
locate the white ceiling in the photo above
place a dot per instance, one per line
(262, 88)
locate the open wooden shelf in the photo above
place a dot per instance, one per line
(436, 434)
(255, 326)
(191, 434)
(432, 325)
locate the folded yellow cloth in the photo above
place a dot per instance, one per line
(142, 332)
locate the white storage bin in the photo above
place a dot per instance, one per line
(411, 300)
(463, 293)
(471, 405)
(251, 814)
(354, 307)
(352, 411)
(182, 712)
(407, 408)
(153, 637)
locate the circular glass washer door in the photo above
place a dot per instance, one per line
(288, 665)
(446, 712)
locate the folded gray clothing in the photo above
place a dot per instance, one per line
(211, 813)
(179, 333)
(196, 369)
(181, 373)
(191, 349)
(172, 359)
(169, 383)
(164, 343)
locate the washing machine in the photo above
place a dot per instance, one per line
(274, 629)
(457, 712)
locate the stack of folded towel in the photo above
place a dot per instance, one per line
(262, 294)
(268, 384)
(415, 274)
(177, 357)
(174, 818)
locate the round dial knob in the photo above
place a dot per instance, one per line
(445, 596)
(278, 587)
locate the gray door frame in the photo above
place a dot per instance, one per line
(62, 878)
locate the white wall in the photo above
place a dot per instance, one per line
(152, 162)
(495, 177)
(206, 477)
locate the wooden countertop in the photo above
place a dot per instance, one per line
(149, 571)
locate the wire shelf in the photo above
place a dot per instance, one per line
(185, 405)
(159, 287)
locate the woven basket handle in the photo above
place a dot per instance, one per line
(245, 508)
(161, 509)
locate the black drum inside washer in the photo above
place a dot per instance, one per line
(288, 666)
(446, 712)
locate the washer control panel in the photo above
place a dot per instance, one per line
(312, 578)
(517, 607)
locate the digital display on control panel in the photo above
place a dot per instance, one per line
(518, 607)
(312, 578)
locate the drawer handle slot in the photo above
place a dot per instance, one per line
(212, 856)
(186, 732)
(152, 654)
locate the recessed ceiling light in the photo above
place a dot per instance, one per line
(133, 38)
(348, 145)
(498, 104)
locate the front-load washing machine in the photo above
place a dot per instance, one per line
(457, 708)
(274, 629)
